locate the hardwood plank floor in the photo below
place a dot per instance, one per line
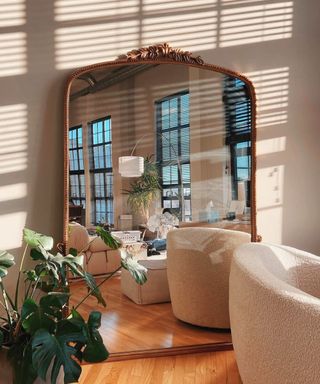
(202, 368)
(126, 326)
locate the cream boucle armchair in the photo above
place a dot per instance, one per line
(99, 258)
(275, 314)
(198, 266)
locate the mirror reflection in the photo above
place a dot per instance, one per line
(189, 127)
(153, 147)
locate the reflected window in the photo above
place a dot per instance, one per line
(101, 171)
(76, 165)
(237, 105)
(173, 148)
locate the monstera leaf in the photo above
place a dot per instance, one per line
(94, 350)
(72, 261)
(108, 239)
(46, 314)
(37, 240)
(137, 271)
(59, 349)
(6, 261)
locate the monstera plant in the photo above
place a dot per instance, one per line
(41, 334)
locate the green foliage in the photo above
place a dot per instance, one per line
(37, 240)
(6, 261)
(43, 336)
(59, 348)
(145, 189)
(108, 239)
(137, 271)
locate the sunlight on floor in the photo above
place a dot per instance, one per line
(13, 54)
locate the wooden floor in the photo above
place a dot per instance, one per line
(127, 326)
(209, 368)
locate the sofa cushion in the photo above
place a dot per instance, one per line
(97, 244)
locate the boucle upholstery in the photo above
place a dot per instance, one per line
(99, 258)
(275, 314)
(155, 290)
(198, 273)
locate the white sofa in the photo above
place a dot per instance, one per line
(99, 258)
(198, 267)
(275, 314)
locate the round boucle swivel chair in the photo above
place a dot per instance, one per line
(275, 314)
(198, 267)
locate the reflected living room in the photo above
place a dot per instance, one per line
(159, 192)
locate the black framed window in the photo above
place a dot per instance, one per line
(173, 144)
(76, 167)
(101, 171)
(237, 105)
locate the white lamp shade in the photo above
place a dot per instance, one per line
(131, 166)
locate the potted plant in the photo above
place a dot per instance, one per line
(41, 336)
(145, 189)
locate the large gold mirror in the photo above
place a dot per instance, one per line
(157, 134)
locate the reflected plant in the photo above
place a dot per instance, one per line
(145, 189)
(44, 335)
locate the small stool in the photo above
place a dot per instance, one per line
(156, 289)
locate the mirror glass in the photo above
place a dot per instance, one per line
(193, 123)
(191, 127)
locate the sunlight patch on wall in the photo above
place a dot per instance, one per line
(256, 23)
(66, 10)
(270, 188)
(78, 46)
(13, 54)
(196, 31)
(11, 226)
(169, 5)
(13, 192)
(12, 13)
(13, 132)
(272, 88)
(268, 146)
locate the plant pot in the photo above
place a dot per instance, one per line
(7, 372)
(6, 369)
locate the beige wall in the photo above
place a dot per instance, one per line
(48, 40)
